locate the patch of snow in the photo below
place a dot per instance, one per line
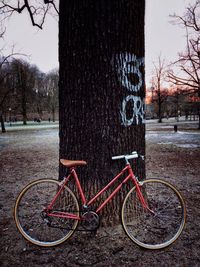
(165, 143)
(187, 145)
(189, 133)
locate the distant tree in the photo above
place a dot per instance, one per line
(188, 63)
(4, 92)
(37, 12)
(38, 92)
(178, 100)
(160, 94)
(51, 85)
(5, 84)
(24, 84)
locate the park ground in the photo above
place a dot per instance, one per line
(26, 155)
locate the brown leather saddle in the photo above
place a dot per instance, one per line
(72, 163)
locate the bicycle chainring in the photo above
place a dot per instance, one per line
(90, 221)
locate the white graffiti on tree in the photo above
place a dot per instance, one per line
(137, 110)
(129, 66)
(130, 76)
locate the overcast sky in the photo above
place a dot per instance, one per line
(42, 46)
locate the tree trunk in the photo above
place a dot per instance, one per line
(101, 88)
(24, 103)
(3, 129)
(159, 106)
(53, 114)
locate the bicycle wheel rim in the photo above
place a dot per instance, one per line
(24, 212)
(163, 225)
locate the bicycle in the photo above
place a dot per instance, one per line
(47, 212)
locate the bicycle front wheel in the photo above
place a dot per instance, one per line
(157, 229)
(34, 224)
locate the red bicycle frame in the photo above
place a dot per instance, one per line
(73, 173)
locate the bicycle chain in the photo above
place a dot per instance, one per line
(63, 228)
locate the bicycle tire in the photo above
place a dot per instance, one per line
(29, 219)
(158, 230)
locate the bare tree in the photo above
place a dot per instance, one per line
(160, 94)
(178, 99)
(51, 84)
(37, 93)
(23, 78)
(4, 92)
(5, 83)
(37, 13)
(22, 88)
(188, 63)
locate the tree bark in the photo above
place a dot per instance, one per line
(101, 88)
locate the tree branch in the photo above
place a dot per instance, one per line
(40, 8)
(53, 4)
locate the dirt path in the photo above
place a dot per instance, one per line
(26, 156)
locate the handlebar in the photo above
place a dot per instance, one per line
(133, 155)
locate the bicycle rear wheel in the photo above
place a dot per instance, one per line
(161, 228)
(34, 224)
